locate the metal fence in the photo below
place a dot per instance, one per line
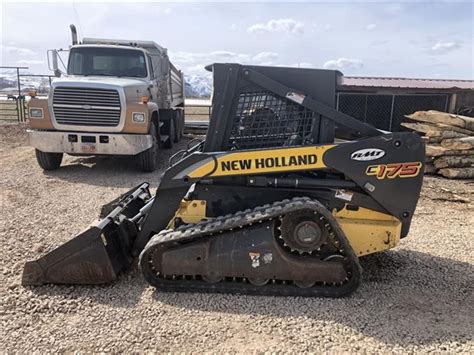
(197, 109)
(13, 108)
(386, 111)
(13, 99)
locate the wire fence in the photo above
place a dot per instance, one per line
(387, 111)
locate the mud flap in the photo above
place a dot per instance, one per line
(98, 254)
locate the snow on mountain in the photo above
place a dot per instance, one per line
(196, 86)
(9, 83)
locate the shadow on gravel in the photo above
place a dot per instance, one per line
(104, 171)
(123, 293)
(406, 297)
(112, 171)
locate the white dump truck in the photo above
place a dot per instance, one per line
(118, 97)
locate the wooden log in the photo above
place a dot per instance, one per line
(444, 118)
(437, 129)
(437, 151)
(422, 127)
(458, 143)
(427, 139)
(457, 173)
(454, 162)
(430, 169)
(445, 134)
(429, 159)
(446, 127)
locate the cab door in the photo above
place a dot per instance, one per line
(161, 80)
(153, 84)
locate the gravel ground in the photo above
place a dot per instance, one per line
(417, 297)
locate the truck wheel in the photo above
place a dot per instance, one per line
(171, 135)
(148, 158)
(48, 161)
(179, 125)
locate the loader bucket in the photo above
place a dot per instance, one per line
(98, 254)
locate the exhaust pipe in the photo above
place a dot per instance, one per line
(73, 34)
(98, 254)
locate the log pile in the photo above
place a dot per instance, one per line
(449, 142)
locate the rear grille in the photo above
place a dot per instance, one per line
(86, 107)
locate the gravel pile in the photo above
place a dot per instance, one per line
(418, 297)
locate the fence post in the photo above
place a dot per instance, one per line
(19, 108)
(18, 81)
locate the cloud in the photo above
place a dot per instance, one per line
(191, 59)
(198, 69)
(234, 27)
(214, 56)
(16, 50)
(379, 42)
(442, 47)
(267, 57)
(167, 11)
(227, 54)
(194, 62)
(29, 62)
(371, 27)
(303, 65)
(287, 25)
(343, 63)
(321, 27)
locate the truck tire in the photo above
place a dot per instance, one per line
(179, 125)
(48, 161)
(148, 158)
(171, 134)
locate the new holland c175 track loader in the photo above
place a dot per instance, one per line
(282, 198)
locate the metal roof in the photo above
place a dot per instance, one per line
(410, 83)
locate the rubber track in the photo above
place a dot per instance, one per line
(244, 219)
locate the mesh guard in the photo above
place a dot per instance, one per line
(263, 120)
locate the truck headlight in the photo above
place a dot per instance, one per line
(138, 117)
(36, 112)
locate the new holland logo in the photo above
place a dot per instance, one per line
(367, 154)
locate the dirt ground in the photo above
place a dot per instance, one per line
(415, 298)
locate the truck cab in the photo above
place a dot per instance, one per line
(118, 97)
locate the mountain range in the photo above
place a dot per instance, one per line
(195, 86)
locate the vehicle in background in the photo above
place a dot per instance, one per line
(118, 97)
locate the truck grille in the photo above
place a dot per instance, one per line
(86, 107)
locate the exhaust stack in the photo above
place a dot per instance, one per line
(73, 34)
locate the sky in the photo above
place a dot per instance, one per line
(402, 39)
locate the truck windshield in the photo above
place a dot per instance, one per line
(107, 62)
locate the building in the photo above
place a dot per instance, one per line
(384, 102)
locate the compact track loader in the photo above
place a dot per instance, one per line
(282, 198)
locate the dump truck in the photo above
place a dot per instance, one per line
(119, 97)
(283, 197)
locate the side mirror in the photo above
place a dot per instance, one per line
(53, 64)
